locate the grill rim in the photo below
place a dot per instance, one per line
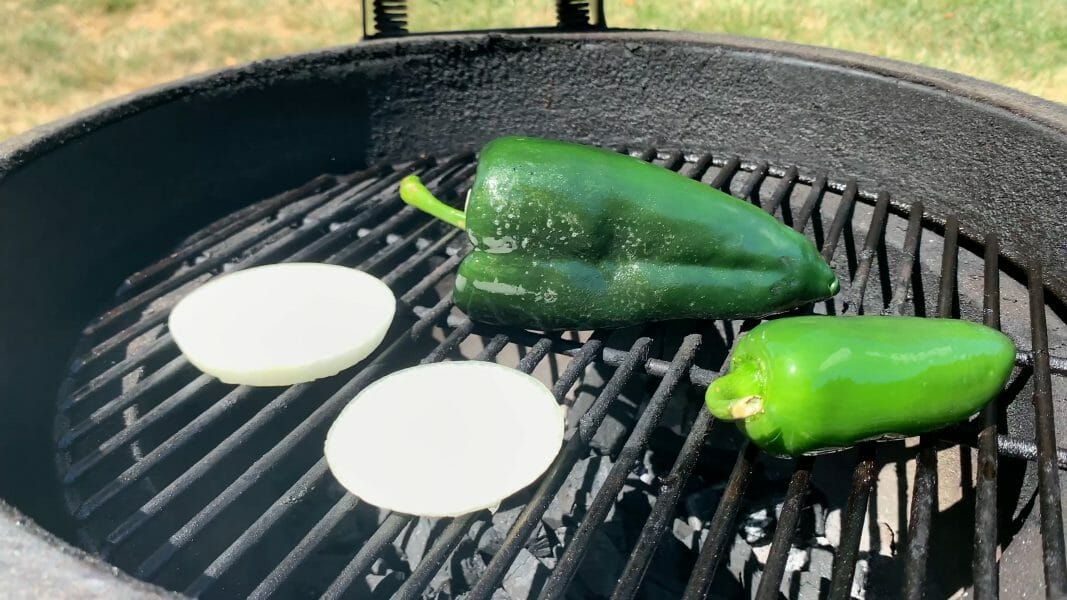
(22, 148)
(38, 142)
(19, 531)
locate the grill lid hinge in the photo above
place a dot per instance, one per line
(389, 18)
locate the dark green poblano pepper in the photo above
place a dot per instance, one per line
(801, 384)
(574, 237)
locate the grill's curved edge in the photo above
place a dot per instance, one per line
(60, 570)
(23, 147)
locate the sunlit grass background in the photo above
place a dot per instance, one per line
(58, 56)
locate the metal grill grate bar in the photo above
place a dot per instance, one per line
(841, 217)
(663, 511)
(986, 569)
(771, 578)
(946, 296)
(647, 154)
(923, 501)
(818, 188)
(1057, 364)
(844, 566)
(785, 187)
(118, 370)
(368, 553)
(1014, 447)
(451, 342)
(436, 275)
(674, 160)
(140, 468)
(318, 533)
(750, 191)
(852, 520)
(701, 166)
(635, 444)
(113, 407)
(924, 488)
(127, 434)
(495, 345)
(573, 449)
(722, 523)
(726, 173)
(436, 557)
(907, 264)
(453, 534)
(854, 300)
(1048, 476)
(257, 530)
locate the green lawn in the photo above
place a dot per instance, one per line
(58, 56)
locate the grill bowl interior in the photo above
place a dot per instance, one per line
(171, 474)
(84, 209)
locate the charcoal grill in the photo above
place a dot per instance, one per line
(931, 194)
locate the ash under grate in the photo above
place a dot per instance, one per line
(221, 491)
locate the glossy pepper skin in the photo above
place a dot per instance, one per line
(797, 385)
(568, 236)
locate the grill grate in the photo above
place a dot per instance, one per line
(222, 491)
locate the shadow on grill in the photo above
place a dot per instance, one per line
(222, 491)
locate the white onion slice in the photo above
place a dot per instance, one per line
(445, 439)
(282, 324)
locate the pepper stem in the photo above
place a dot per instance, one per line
(415, 193)
(736, 395)
(743, 408)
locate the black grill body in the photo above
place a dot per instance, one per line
(88, 201)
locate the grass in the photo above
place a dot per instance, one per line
(59, 56)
